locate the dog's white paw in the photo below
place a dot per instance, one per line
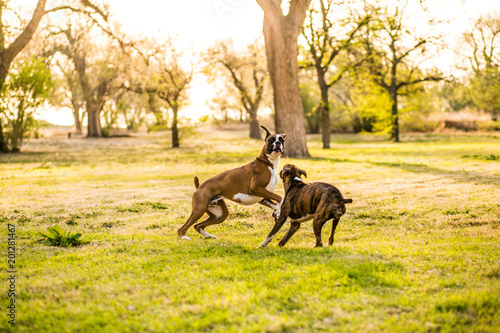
(206, 234)
(265, 242)
(211, 236)
(185, 238)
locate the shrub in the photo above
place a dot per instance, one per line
(57, 237)
(27, 88)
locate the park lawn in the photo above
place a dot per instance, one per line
(417, 251)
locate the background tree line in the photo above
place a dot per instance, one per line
(322, 66)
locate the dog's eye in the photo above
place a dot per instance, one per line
(282, 140)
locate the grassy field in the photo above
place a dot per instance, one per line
(417, 251)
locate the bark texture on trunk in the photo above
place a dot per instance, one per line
(281, 34)
(8, 54)
(326, 128)
(254, 125)
(395, 120)
(393, 92)
(77, 107)
(95, 103)
(3, 143)
(78, 123)
(94, 121)
(175, 130)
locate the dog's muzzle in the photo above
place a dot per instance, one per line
(278, 148)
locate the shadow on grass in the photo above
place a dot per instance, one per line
(228, 261)
(460, 176)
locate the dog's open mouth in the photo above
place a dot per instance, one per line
(278, 150)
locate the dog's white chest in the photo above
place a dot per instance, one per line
(273, 182)
(247, 199)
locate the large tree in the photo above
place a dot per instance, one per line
(395, 53)
(484, 59)
(163, 75)
(70, 93)
(328, 37)
(8, 52)
(246, 72)
(281, 32)
(173, 84)
(94, 70)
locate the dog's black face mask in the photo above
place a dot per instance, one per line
(276, 144)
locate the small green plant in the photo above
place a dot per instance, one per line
(58, 237)
(492, 157)
(156, 205)
(155, 226)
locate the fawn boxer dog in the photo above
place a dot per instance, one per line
(319, 202)
(247, 185)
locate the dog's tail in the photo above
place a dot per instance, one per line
(347, 201)
(197, 182)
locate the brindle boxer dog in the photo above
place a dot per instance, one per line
(247, 185)
(318, 201)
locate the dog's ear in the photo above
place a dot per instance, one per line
(347, 200)
(303, 172)
(267, 132)
(285, 169)
(283, 136)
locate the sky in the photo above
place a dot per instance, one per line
(195, 21)
(198, 23)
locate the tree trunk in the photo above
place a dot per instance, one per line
(394, 114)
(254, 125)
(281, 34)
(4, 71)
(325, 117)
(78, 122)
(3, 143)
(393, 92)
(7, 55)
(94, 119)
(175, 131)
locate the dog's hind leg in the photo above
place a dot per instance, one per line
(318, 223)
(200, 205)
(217, 213)
(334, 225)
(294, 226)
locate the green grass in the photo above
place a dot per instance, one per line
(417, 251)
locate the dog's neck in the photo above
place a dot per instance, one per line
(292, 182)
(269, 159)
(274, 160)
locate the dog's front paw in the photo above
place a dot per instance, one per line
(277, 210)
(265, 242)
